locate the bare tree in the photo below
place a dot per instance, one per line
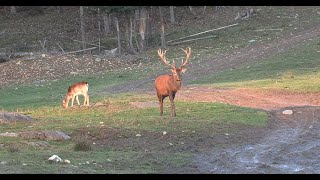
(107, 23)
(118, 33)
(136, 17)
(59, 9)
(132, 29)
(172, 19)
(13, 10)
(195, 14)
(82, 28)
(142, 27)
(163, 41)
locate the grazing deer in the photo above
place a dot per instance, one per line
(169, 84)
(76, 89)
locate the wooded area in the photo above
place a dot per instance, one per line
(136, 28)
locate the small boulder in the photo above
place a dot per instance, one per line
(287, 112)
(55, 158)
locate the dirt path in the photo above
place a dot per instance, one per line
(291, 145)
(253, 98)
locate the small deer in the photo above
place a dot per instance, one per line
(76, 89)
(169, 84)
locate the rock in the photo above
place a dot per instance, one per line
(48, 135)
(56, 135)
(7, 134)
(66, 161)
(55, 158)
(287, 112)
(7, 117)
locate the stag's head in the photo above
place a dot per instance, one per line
(176, 72)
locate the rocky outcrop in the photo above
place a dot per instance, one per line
(9, 117)
(47, 135)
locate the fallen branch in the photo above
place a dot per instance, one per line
(192, 40)
(71, 52)
(97, 45)
(269, 30)
(60, 47)
(203, 32)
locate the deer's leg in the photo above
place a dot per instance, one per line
(160, 97)
(67, 103)
(173, 108)
(72, 101)
(87, 100)
(77, 98)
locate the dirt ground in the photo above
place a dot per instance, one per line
(289, 144)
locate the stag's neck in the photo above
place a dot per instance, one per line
(174, 84)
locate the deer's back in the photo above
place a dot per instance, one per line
(78, 88)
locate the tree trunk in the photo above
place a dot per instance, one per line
(118, 33)
(132, 29)
(82, 28)
(172, 19)
(13, 10)
(163, 42)
(142, 27)
(99, 29)
(192, 12)
(127, 21)
(136, 17)
(59, 9)
(148, 28)
(106, 24)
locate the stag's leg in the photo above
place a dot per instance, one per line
(173, 108)
(160, 97)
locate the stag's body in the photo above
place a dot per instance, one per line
(76, 89)
(169, 84)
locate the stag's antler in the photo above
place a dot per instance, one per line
(163, 58)
(188, 52)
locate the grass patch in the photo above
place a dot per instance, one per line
(82, 145)
(297, 69)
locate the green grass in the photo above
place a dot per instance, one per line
(194, 119)
(297, 69)
(52, 93)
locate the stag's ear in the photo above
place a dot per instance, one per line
(183, 70)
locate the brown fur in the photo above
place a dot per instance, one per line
(76, 89)
(169, 84)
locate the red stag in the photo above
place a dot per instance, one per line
(169, 84)
(76, 89)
